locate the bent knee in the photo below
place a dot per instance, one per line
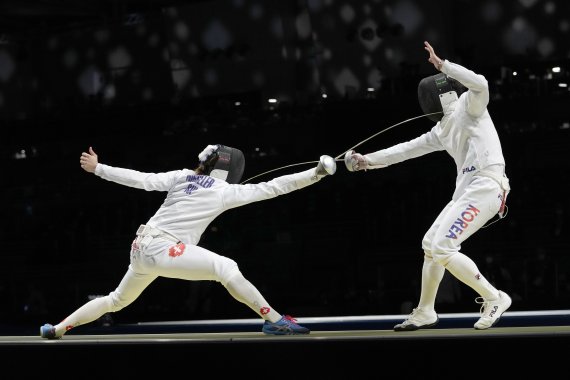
(226, 269)
(441, 253)
(442, 257)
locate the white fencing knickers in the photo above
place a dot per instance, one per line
(482, 199)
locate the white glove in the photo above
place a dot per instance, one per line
(355, 161)
(326, 166)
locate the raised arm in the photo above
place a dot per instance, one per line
(478, 94)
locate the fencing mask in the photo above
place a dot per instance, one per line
(223, 162)
(437, 91)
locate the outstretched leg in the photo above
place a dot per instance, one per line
(131, 286)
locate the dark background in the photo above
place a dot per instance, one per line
(149, 84)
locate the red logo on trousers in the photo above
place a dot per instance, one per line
(176, 250)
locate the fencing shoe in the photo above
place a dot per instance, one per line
(47, 331)
(285, 326)
(418, 319)
(491, 311)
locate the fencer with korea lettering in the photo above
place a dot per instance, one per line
(456, 100)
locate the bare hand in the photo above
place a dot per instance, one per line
(89, 161)
(433, 58)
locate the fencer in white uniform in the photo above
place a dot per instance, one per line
(167, 245)
(457, 100)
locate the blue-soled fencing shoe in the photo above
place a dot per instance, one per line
(47, 331)
(287, 325)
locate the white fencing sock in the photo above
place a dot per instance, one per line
(432, 274)
(465, 270)
(244, 291)
(85, 314)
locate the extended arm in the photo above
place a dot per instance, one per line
(237, 195)
(424, 144)
(89, 162)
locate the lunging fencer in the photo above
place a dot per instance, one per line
(167, 245)
(456, 100)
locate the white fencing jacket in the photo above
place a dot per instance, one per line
(466, 132)
(194, 201)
